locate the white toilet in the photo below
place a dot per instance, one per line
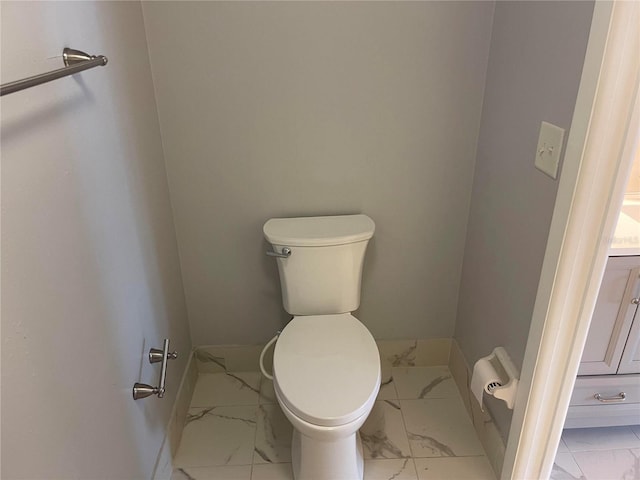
(326, 367)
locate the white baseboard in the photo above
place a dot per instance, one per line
(164, 465)
(485, 427)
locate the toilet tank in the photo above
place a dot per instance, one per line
(324, 271)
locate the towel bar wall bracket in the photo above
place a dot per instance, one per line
(142, 390)
(75, 61)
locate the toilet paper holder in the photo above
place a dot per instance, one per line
(505, 383)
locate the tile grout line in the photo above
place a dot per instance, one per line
(406, 433)
(255, 434)
(582, 475)
(579, 467)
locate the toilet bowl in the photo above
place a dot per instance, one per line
(326, 378)
(326, 365)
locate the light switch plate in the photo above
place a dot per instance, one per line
(549, 149)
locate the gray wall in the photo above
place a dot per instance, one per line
(535, 64)
(284, 109)
(90, 271)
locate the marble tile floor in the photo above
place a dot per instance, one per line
(605, 453)
(418, 430)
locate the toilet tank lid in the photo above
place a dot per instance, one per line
(318, 231)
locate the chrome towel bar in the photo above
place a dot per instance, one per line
(74, 60)
(142, 390)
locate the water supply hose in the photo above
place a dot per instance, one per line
(264, 350)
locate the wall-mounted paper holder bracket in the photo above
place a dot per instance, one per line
(495, 375)
(506, 391)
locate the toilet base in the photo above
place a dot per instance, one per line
(340, 459)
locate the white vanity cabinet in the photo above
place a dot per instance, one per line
(612, 328)
(607, 390)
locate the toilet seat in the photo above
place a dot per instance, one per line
(326, 368)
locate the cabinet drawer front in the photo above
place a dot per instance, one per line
(608, 387)
(580, 416)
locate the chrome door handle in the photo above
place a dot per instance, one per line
(142, 390)
(635, 301)
(616, 398)
(286, 253)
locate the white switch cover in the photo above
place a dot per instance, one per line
(549, 149)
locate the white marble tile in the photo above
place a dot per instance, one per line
(424, 382)
(267, 393)
(217, 436)
(459, 468)
(387, 469)
(228, 358)
(601, 438)
(433, 351)
(246, 358)
(214, 389)
(609, 464)
(562, 447)
(439, 427)
(272, 471)
(387, 389)
(566, 468)
(398, 353)
(383, 434)
(415, 353)
(239, 472)
(273, 436)
(210, 359)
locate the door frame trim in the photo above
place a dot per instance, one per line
(597, 163)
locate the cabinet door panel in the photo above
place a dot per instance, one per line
(612, 317)
(630, 362)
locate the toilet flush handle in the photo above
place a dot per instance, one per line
(286, 253)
